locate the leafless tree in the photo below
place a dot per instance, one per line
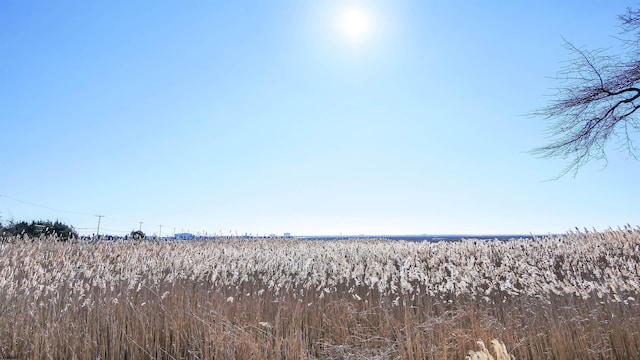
(596, 101)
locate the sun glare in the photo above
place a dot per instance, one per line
(354, 23)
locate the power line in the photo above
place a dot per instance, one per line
(79, 213)
(117, 231)
(57, 209)
(43, 206)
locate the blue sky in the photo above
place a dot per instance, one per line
(264, 117)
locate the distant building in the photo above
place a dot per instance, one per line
(287, 235)
(184, 236)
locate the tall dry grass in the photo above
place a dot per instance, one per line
(560, 297)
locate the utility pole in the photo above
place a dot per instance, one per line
(174, 233)
(98, 231)
(160, 233)
(140, 222)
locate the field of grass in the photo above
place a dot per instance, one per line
(558, 297)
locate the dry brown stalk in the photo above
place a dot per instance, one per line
(567, 297)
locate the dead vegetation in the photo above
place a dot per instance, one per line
(567, 297)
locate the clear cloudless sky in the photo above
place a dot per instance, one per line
(274, 116)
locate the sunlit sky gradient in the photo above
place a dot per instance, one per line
(265, 117)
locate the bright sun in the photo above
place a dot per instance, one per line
(354, 23)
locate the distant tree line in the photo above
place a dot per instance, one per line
(48, 228)
(39, 228)
(137, 235)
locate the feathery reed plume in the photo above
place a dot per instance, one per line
(288, 298)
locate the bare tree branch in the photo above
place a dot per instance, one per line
(597, 101)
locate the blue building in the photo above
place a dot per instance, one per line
(184, 236)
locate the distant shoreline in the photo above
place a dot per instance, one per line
(412, 238)
(431, 238)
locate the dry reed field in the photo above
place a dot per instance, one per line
(558, 297)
